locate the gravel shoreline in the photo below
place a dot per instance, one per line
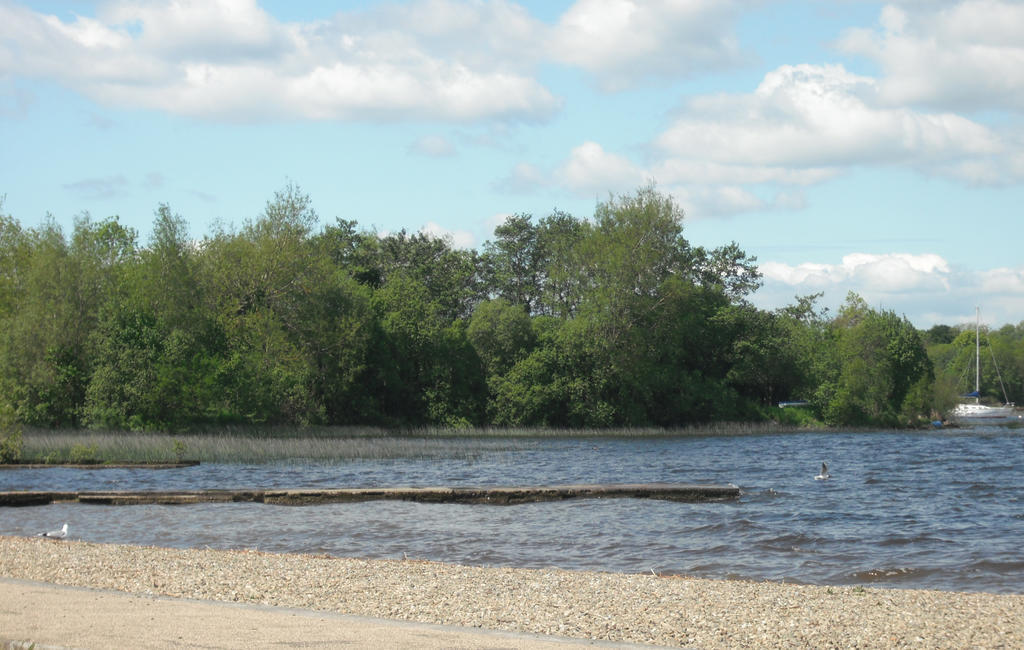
(637, 608)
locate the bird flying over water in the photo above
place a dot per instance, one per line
(56, 534)
(824, 475)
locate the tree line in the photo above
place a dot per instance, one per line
(611, 321)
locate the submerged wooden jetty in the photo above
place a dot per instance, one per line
(306, 497)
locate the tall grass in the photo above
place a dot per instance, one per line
(112, 447)
(267, 444)
(696, 430)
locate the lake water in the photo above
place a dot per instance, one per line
(938, 509)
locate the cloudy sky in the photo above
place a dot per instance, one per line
(849, 145)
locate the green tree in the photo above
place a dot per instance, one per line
(256, 284)
(60, 290)
(564, 382)
(563, 279)
(123, 389)
(727, 267)
(882, 360)
(451, 277)
(513, 263)
(14, 257)
(336, 330)
(168, 273)
(502, 334)
(939, 334)
(764, 363)
(429, 372)
(357, 253)
(155, 352)
(11, 441)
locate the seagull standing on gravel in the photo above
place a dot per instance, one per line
(824, 475)
(56, 534)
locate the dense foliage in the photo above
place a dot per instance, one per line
(616, 320)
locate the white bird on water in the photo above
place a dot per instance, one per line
(824, 475)
(56, 534)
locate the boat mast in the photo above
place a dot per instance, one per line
(977, 355)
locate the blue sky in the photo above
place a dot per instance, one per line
(848, 145)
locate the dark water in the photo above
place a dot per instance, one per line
(942, 510)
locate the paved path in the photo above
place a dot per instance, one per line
(52, 616)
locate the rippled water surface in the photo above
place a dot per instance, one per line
(940, 509)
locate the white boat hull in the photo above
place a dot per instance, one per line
(979, 413)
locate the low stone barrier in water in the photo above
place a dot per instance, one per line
(304, 497)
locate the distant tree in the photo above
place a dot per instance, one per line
(727, 267)
(257, 284)
(563, 382)
(14, 258)
(513, 262)
(430, 373)
(451, 277)
(939, 334)
(563, 277)
(60, 289)
(357, 253)
(502, 334)
(882, 360)
(611, 321)
(764, 364)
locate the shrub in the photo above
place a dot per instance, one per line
(83, 454)
(10, 437)
(10, 447)
(178, 449)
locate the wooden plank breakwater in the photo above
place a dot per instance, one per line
(306, 497)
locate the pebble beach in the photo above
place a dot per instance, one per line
(637, 608)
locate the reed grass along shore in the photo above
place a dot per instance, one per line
(639, 608)
(252, 444)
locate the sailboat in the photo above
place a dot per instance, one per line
(976, 412)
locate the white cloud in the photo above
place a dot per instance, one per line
(458, 238)
(889, 273)
(495, 220)
(591, 169)
(523, 178)
(806, 276)
(689, 168)
(925, 288)
(624, 41)
(897, 272)
(965, 55)
(700, 201)
(702, 189)
(496, 34)
(803, 125)
(808, 118)
(199, 29)
(588, 170)
(454, 60)
(1003, 281)
(228, 59)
